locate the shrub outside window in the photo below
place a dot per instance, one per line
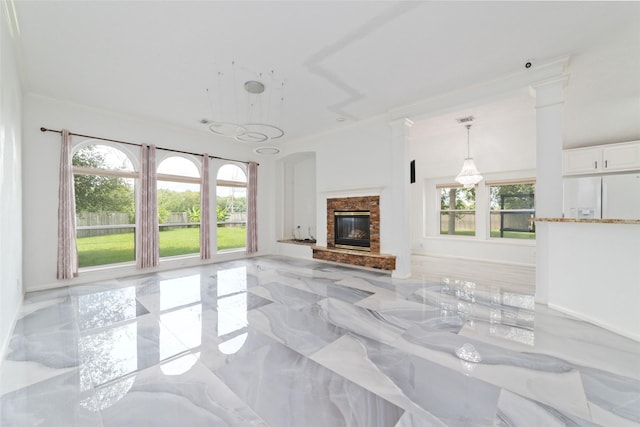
(457, 210)
(512, 207)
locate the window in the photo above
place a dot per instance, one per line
(105, 205)
(512, 205)
(457, 210)
(178, 207)
(231, 208)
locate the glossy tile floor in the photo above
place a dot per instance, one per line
(274, 341)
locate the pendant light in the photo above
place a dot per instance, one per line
(469, 175)
(254, 101)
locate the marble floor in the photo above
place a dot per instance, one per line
(274, 341)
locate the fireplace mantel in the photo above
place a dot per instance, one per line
(352, 192)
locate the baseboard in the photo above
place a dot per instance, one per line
(12, 328)
(594, 321)
(483, 260)
(128, 270)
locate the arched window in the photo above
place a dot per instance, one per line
(178, 206)
(231, 207)
(104, 179)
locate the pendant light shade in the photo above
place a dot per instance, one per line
(469, 176)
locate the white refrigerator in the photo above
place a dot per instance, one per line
(607, 196)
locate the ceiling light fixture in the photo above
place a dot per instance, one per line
(255, 129)
(469, 176)
(267, 150)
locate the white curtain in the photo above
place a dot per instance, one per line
(67, 251)
(252, 193)
(205, 212)
(147, 247)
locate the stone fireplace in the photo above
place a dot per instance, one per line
(353, 233)
(353, 213)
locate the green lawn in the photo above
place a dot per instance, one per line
(100, 250)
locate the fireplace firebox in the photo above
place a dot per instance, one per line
(352, 230)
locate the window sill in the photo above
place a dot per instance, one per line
(491, 240)
(123, 265)
(106, 267)
(229, 251)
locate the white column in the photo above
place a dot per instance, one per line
(400, 196)
(549, 130)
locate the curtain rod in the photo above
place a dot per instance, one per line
(43, 129)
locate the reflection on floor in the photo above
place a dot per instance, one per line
(274, 341)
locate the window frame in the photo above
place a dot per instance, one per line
(115, 173)
(440, 211)
(230, 184)
(182, 179)
(531, 228)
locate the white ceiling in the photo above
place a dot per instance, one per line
(179, 61)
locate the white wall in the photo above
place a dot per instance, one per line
(503, 145)
(352, 161)
(299, 189)
(41, 152)
(595, 273)
(11, 288)
(357, 161)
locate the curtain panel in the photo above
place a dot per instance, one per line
(205, 211)
(147, 234)
(67, 251)
(252, 193)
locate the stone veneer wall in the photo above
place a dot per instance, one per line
(370, 259)
(367, 203)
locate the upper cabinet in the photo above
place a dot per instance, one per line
(602, 159)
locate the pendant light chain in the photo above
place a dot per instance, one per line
(468, 149)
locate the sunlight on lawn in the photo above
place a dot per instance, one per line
(115, 248)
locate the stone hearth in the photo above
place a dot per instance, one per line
(360, 258)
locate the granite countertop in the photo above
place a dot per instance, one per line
(589, 220)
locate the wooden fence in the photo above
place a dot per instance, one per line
(105, 223)
(102, 223)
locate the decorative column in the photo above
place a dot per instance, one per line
(549, 130)
(400, 208)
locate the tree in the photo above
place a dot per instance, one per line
(178, 201)
(101, 193)
(514, 196)
(464, 199)
(233, 204)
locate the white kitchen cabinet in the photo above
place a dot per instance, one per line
(579, 161)
(602, 159)
(621, 157)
